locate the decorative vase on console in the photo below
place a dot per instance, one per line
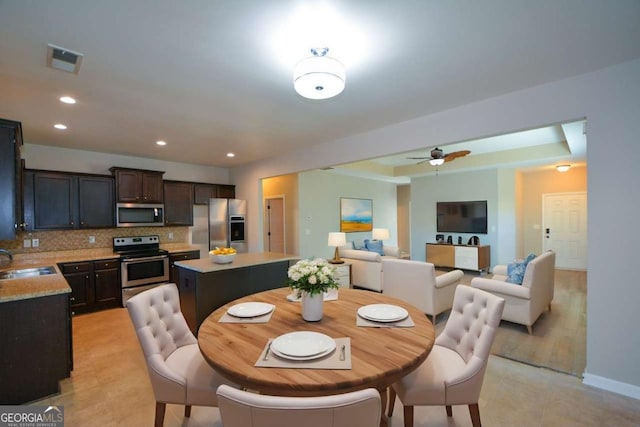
(311, 278)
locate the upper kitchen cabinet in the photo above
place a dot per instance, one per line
(178, 203)
(138, 186)
(10, 179)
(226, 191)
(63, 201)
(96, 201)
(204, 192)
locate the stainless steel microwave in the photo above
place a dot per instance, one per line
(139, 215)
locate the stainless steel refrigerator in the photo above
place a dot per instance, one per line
(227, 224)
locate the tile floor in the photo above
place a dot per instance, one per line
(110, 387)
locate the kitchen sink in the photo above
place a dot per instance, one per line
(26, 272)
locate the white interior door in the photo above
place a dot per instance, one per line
(564, 227)
(274, 221)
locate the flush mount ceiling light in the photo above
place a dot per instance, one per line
(67, 100)
(60, 126)
(436, 162)
(161, 143)
(563, 168)
(319, 76)
(230, 155)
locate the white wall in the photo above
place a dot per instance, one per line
(319, 194)
(426, 191)
(609, 100)
(71, 160)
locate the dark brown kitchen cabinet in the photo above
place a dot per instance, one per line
(10, 179)
(137, 185)
(204, 192)
(63, 201)
(78, 276)
(96, 202)
(108, 291)
(55, 201)
(225, 191)
(36, 350)
(178, 203)
(179, 256)
(94, 285)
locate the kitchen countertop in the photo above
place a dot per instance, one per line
(206, 265)
(51, 284)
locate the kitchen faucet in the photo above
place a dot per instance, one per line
(6, 253)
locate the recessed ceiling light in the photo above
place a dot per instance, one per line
(60, 126)
(67, 100)
(230, 155)
(161, 143)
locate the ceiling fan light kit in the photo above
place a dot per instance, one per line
(319, 76)
(438, 157)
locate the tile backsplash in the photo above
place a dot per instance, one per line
(79, 239)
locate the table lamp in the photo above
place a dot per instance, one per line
(380, 234)
(337, 239)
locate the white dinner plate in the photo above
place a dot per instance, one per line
(250, 309)
(312, 357)
(383, 312)
(303, 344)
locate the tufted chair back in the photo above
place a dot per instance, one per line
(470, 331)
(472, 324)
(159, 323)
(239, 408)
(162, 330)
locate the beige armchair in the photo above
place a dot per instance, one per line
(454, 371)
(523, 303)
(178, 372)
(244, 409)
(416, 283)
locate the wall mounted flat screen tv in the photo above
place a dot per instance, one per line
(462, 217)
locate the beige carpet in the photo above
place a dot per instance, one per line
(559, 337)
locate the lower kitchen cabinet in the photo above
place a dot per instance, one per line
(95, 285)
(179, 256)
(36, 350)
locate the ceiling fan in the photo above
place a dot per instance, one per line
(438, 157)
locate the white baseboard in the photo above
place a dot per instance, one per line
(611, 385)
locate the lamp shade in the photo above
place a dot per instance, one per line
(380, 234)
(319, 77)
(337, 239)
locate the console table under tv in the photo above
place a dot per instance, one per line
(464, 257)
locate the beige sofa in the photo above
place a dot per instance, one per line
(523, 303)
(366, 267)
(416, 283)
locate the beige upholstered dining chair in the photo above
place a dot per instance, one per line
(453, 372)
(239, 408)
(178, 372)
(416, 283)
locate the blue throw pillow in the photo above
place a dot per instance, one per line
(374, 246)
(516, 269)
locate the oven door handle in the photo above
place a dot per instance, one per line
(145, 259)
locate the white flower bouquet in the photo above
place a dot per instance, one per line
(313, 276)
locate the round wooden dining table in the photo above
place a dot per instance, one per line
(380, 356)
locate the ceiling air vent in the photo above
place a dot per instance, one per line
(63, 59)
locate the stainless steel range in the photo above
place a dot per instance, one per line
(143, 264)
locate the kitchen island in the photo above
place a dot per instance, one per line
(36, 350)
(204, 285)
